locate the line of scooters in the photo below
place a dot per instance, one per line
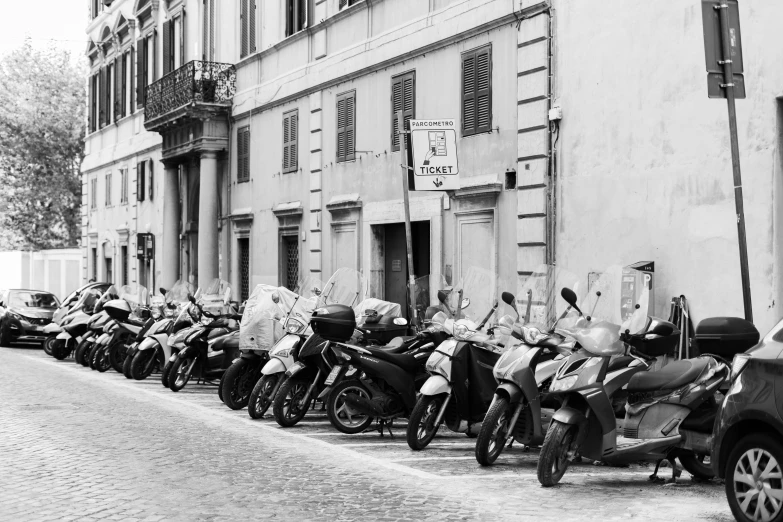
(579, 370)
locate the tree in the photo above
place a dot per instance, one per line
(42, 111)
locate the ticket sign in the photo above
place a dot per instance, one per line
(435, 163)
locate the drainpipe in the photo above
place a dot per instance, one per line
(554, 127)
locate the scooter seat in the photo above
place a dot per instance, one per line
(396, 345)
(670, 377)
(407, 362)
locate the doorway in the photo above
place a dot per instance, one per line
(396, 261)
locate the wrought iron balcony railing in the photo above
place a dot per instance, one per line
(196, 81)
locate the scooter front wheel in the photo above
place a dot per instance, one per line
(342, 416)
(494, 432)
(180, 373)
(164, 374)
(82, 350)
(238, 382)
(103, 359)
(288, 407)
(143, 364)
(48, 344)
(126, 367)
(555, 458)
(262, 395)
(421, 425)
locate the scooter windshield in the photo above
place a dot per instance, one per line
(111, 293)
(617, 300)
(467, 304)
(87, 300)
(137, 298)
(261, 324)
(215, 297)
(539, 302)
(346, 286)
(176, 298)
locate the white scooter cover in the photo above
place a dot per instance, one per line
(260, 327)
(302, 308)
(382, 307)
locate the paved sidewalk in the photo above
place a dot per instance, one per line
(79, 445)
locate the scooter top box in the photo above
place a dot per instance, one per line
(725, 336)
(334, 322)
(382, 330)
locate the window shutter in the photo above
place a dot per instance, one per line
(101, 97)
(243, 154)
(140, 175)
(167, 49)
(152, 178)
(211, 49)
(397, 105)
(205, 31)
(403, 99)
(484, 90)
(286, 134)
(153, 73)
(140, 62)
(182, 60)
(341, 129)
(124, 85)
(252, 26)
(91, 111)
(469, 93)
(118, 84)
(343, 3)
(350, 127)
(293, 161)
(243, 28)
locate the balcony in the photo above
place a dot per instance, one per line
(197, 90)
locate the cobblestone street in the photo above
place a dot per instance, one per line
(79, 445)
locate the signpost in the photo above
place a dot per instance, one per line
(723, 55)
(407, 204)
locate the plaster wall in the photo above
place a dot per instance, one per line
(644, 156)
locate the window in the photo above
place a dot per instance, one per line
(403, 99)
(296, 16)
(244, 268)
(146, 65)
(94, 263)
(290, 261)
(290, 138)
(94, 193)
(95, 8)
(477, 91)
(141, 174)
(347, 3)
(123, 186)
(346, 126)
(247, 21)
(124, 261)
(93, 113)
(123, 85)
(108, 189)
(243, 154)
(173, 43)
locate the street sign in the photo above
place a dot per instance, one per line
(713, 48)
(435, 162)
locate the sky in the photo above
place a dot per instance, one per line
(58, 22)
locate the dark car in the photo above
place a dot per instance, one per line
(24, 314)
(747, 445)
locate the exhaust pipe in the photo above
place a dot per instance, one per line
(363, 405)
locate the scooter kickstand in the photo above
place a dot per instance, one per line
(676, 472)
(654, 476)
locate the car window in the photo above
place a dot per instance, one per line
(32, 299)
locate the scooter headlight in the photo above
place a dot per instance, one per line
(462, 332)
(564, 383)
(293, 326)
(533, 335)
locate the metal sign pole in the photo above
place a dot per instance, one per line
(406, 203)
(728, 85)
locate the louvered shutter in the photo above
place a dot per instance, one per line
(252, 26)
(168, 51)
(350, 127)
(243, 28)
(397, 105)
(91, 111)
(153, 72)
(123, 84)
(243, 154)
(469, 93)
(140, 175)
(211, 55)
(483, 90)
(403, 99)
(118, 88)
(341, 129)
(140, 72)
(293, 162)
(286, 134)
(103, 109)
(343, 3)
(151, 169)
(182, 60)
(131, 81)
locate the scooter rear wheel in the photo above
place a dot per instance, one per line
(262, 396)
(341, 415)
(554, 459)
(494, 432)
(421, 425)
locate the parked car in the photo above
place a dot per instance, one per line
(747, 445)
(24, 314)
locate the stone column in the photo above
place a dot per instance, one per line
(208, 219)
(170, 239)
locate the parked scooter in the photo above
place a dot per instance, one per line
(305, 379)
(70, 305)
(271, 314)
(154, 350)
(522, 406)
(461, 385)
(203, 355)
(659, 402)
(130, 313)
(77, 326)
(378, 382)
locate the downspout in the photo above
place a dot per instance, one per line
(554, 134)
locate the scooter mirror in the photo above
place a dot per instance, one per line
(508, 298)
(163, 290)
(191, 299)
(275, 297)
(465, 303)
(569, 296)
(316, 291)
(442, 296)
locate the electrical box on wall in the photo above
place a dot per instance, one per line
(556, 113)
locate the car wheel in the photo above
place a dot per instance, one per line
(754, 479)
(5, 336)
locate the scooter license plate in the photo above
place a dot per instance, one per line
(333, 375)
(294, 368)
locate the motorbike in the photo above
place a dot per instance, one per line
(522, 406)
(461, 385)
(272, 314)
(130, 314)
(77, 325)
(305, 379)
(153, 351)
(211, 341)
(377, 382)
(70, 305)
(657, 401)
